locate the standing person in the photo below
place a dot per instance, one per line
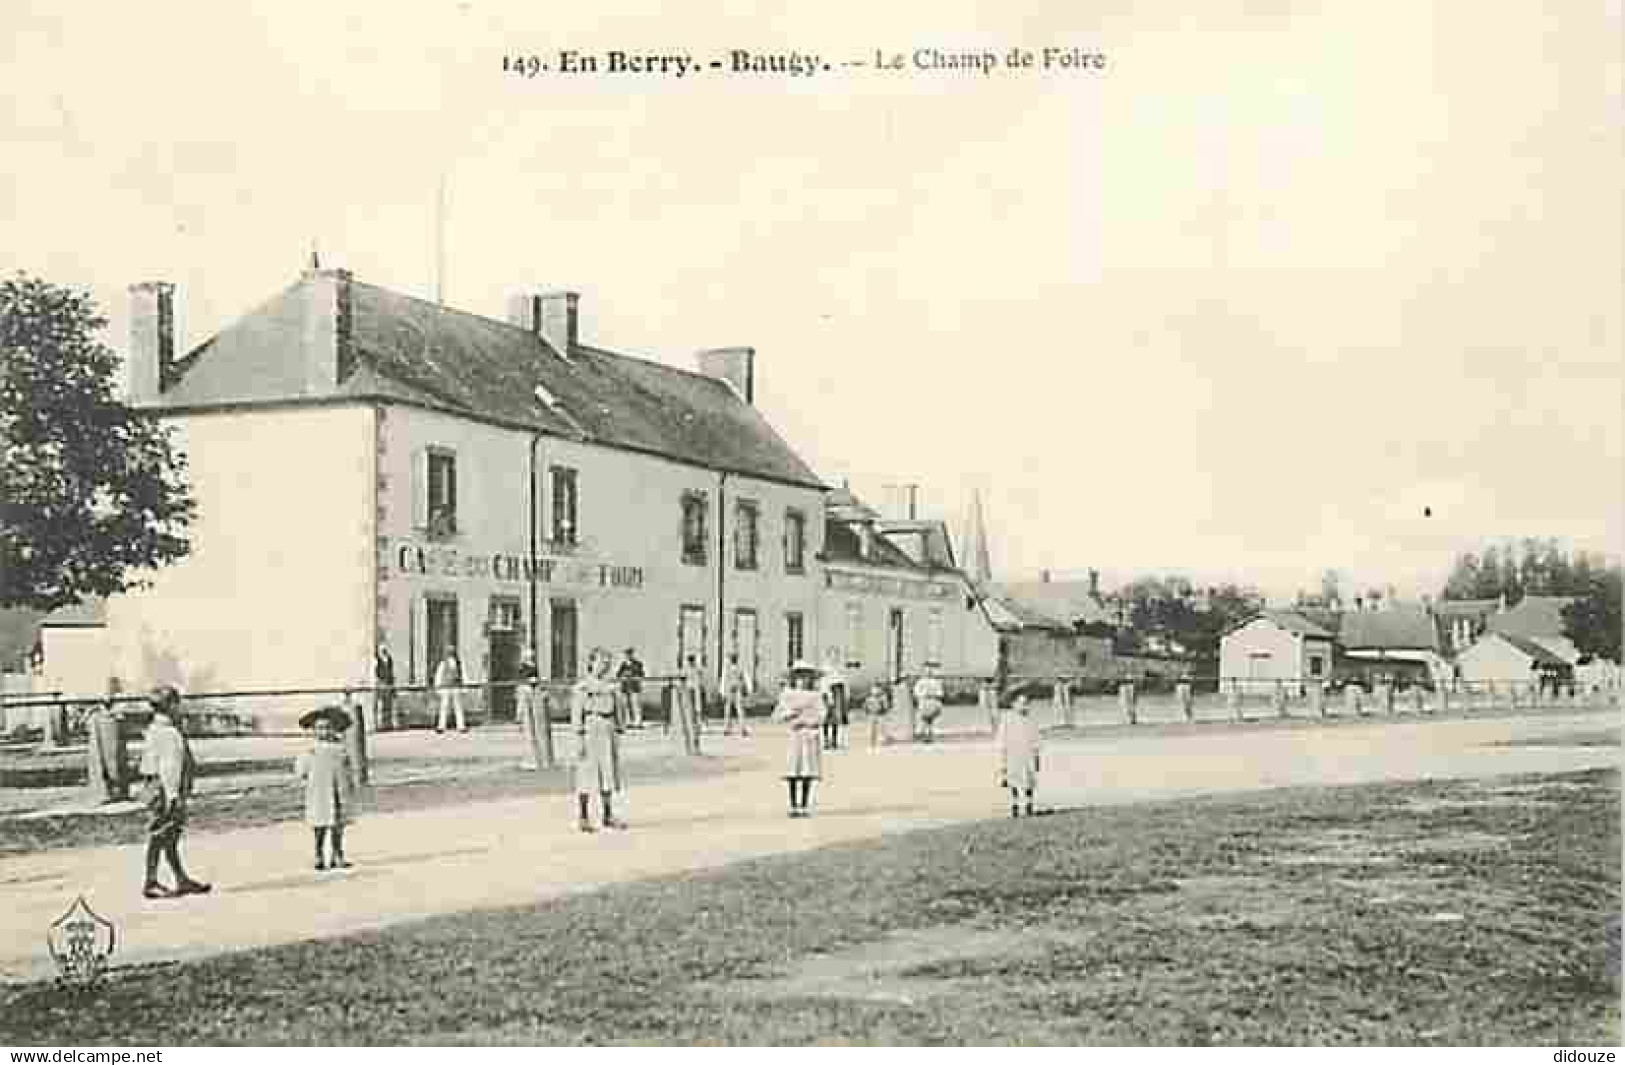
(104, 754)
(928, 697)
(1018, 755)
(693, 704)
(168, 765)
(327, 775)
(538, 730)
(448, 679)
(833, 688)
(735, 686)
(593, 708)
(383, 676)
(876, 707)
(630, 674)
(803, 706)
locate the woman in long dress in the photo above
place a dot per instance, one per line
(1018, 746)
(593, 705)
(803, 707)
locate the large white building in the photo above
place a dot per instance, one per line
(373, 468)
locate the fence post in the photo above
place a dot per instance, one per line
(1125, 699)
(988, 699)
(903, 698)
(1442, 703)
(1182, 694)
(1278, 698)
(1317, 698)
(1232, 700)
(1351, 700)
(355, 737)
(53, 727)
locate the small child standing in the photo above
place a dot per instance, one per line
(329, 791)
(1018, 755)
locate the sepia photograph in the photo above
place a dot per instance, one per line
(970, 524)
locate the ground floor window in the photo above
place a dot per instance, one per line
(795, 638)
(933, 637)
(440, 629)
(562, 639)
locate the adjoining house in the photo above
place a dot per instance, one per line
(1400, 642)
(1034, 647)
(1539, 618)
(1462, 621)
(1503, 658)
(1278, 645)
(373, 468)
(894, 602)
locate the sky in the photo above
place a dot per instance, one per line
(1286, 287)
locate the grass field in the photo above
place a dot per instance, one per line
(1468, 913)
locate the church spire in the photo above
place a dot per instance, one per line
(977, 566)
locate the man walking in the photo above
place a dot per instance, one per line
(630, 674)
(448, 679)
(167, 763)
(735, 686)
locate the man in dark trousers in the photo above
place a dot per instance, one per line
(167, 763)
(630, 674)
(383, 675)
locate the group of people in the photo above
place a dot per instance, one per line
(602, 704)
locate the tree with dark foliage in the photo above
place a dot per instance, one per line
(1593, 620)
(93, 494)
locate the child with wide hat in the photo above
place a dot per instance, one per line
(803, 707)
(326, 773)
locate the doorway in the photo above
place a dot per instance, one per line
(561, 639)
(747, 645)
(894, 644)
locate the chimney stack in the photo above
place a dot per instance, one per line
(328, 354)
(553, 316)
(1094, 582)
(737, 366)
(152, 340)
(1043, 576)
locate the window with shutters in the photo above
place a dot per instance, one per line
(795, 638)
(795, 541)
(695, 539)
(933, 637)
(565, 513)
(440, 616)
(747, 533)
(441, 499)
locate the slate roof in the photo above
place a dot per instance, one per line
(407, 349)
(842, 544)
(1529, 647)
(1535, 617)
(1070, 601)
(1408, 628)
(1007, 613)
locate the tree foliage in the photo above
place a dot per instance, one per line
(1171, 613)
(1593, 620)
(92, 493)
(1532, 566)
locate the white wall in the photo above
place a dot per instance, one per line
(1263, 650)
(1494, 659)
(277, 591)
(968, 643)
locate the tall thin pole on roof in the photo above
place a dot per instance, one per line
(440, 241)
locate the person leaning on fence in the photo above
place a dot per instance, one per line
(803, 707)
(593, 710)
(1018, 746)
(448, 678)
(630, 674)
(168, 765)
(928, 697)
(326, 773)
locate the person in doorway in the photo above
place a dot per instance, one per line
(876, 707)
(630, 674)
(832, 685)
(928, 697)
(1018, 745)
(593, 709)
(448, 681)
(168, 765)
(803, 707)
(328, 779)
(383, 677)
(693, 704)
(735, 687)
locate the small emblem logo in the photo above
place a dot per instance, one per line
(81, 941)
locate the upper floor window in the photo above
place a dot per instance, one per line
(795, 541)
(441, 499)
(747, 533)
(565, 528)
(695, 509)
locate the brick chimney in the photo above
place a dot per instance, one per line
(1094, 582)
(553, 316)
(737, 366)
(152, 340)
(328, 355)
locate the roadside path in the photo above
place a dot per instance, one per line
(419, 863)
